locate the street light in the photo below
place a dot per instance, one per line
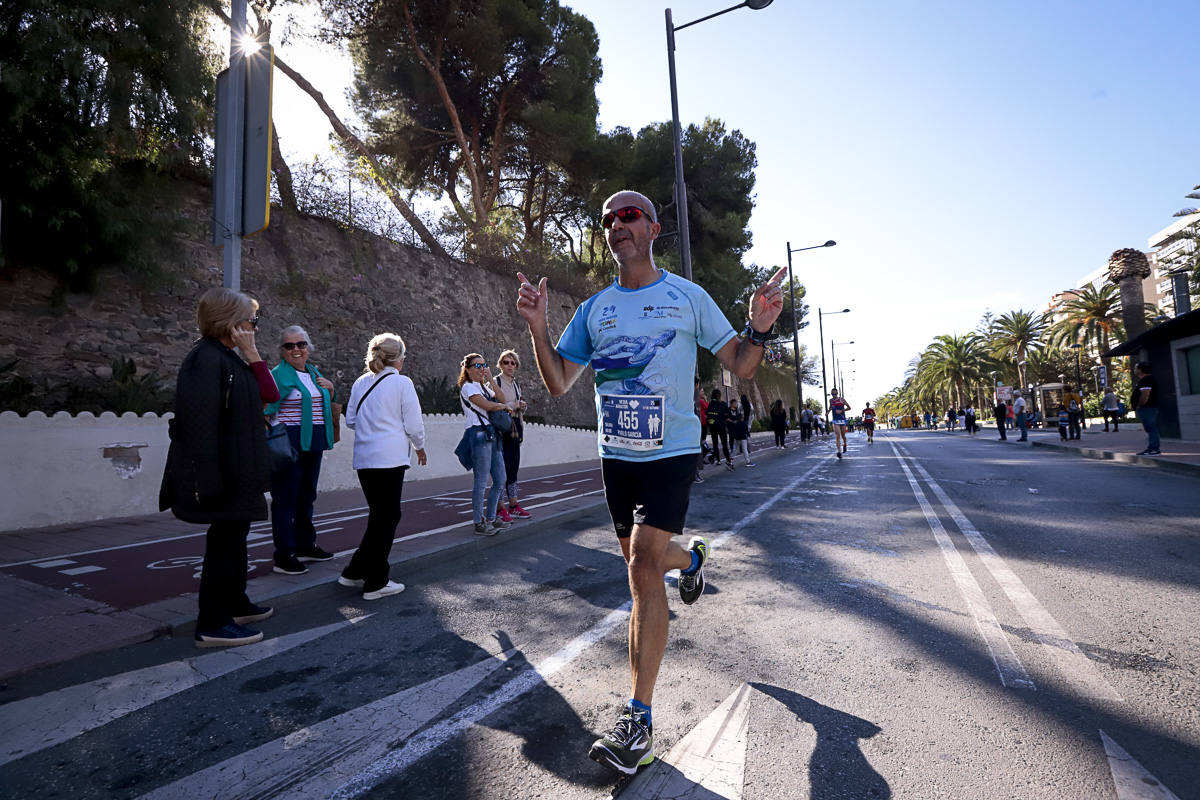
(821, 329)
(681, 213)
(796, 319)
(833, 358)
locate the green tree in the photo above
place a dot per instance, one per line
(489, 98)
(96, 96)
(953, 366)
(1014, 336)
(1092, 318)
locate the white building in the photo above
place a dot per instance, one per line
(1171, 249)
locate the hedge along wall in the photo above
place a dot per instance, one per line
(63, 469)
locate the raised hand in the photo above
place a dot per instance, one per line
(532, 301)
(767, 302)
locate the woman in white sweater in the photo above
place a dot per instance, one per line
(385, 415)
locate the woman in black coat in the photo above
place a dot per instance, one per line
(217, 466)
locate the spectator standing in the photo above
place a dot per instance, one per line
(1019, 411)
(1010, 415)
(969, 420)
(779, 424)
(1001, 412)
(1110, 406)
(806, 424)
(746, 409)
(217, 465)
(385, 415)
(1074, 405)
(1145, 405)
(305, 407)
(1064, 422)
(701, 409)
(718, 427)
(739, 431)
(511, 441)
(479, 396)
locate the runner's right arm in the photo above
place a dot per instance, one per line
(558, 373)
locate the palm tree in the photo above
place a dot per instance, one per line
(1015, 334)
(1127, 268)
(953, 364)
(1092, 318)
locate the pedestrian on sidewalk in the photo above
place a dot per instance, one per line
(1064, 422)
(700, 406)
(1001, 412)
(969, 420)
(1145, 405)
(1019, 412)
(511, 440)
(1110, 406)
(647, 358)
(739, 431)
(1074, 405)
(1010, 414)
(385, 415)
(718, 427)
(806, 423)
(479, 396)
(305, 407)
(217, 465)
(779, 423)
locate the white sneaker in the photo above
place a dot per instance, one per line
(391, 588)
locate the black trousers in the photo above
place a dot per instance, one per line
(805, 431)
(223, 575)
(1074, 417)
(1114, 416)
(382, 489)
(720, 434)
(780, 437)
(1000, 427)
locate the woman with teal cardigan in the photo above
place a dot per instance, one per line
(305, 406)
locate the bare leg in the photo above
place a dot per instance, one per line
(649, 552)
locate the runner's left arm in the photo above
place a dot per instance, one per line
(741, 356)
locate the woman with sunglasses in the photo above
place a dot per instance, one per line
(512, 440)
(305, 406)
(217, 466)
(479, 395)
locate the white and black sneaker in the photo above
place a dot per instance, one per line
(628, 745)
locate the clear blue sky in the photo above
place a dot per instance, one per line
(965, 156)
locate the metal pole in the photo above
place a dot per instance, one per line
(681, 209)
(824, 387)
(232, 137)
(795, 333)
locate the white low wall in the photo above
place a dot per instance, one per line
(65, 468)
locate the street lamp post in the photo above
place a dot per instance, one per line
(681, 212)
(796, 319)
(837, 375)
(821, 329)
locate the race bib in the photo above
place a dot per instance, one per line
(632, 422)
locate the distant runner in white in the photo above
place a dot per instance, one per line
(640, 336)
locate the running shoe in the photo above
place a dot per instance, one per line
(517, 511)
(388, 589)
(692, 586)
(628, 745)
(839, 453)
(503, 514)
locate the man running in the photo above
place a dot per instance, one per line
(837, 411)
(868, 421)
(647, 479)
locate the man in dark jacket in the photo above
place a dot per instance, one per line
(718, 421)
(217, 466)
(1001, 412)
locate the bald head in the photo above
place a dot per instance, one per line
(628, 197)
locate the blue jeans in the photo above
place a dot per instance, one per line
(1149, 419)
(487, 459)
(293, 492)
(1023, 426)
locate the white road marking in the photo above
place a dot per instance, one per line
(1073, 664)
(708, 762)
(1012, 673)
(429, 739)
(81, 570)
(572, 483)
(60, 562)
(1132, 780)
(312, 762)
(36, 723)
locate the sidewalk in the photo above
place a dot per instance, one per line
(1178, 455)
(47, 626)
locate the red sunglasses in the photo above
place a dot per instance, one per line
(627, 215)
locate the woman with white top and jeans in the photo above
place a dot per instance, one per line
(385, 415)
(478, 396)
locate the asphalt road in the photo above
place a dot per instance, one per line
(910, 621)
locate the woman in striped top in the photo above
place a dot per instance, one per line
(304, 406)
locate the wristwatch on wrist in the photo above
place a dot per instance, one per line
(756, 338)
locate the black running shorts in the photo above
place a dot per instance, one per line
(653, 493)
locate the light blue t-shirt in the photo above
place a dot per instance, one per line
(642, 345)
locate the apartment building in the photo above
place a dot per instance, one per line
(1172, 249)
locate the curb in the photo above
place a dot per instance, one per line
(1177, 467)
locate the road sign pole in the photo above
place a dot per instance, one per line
(232, 135)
